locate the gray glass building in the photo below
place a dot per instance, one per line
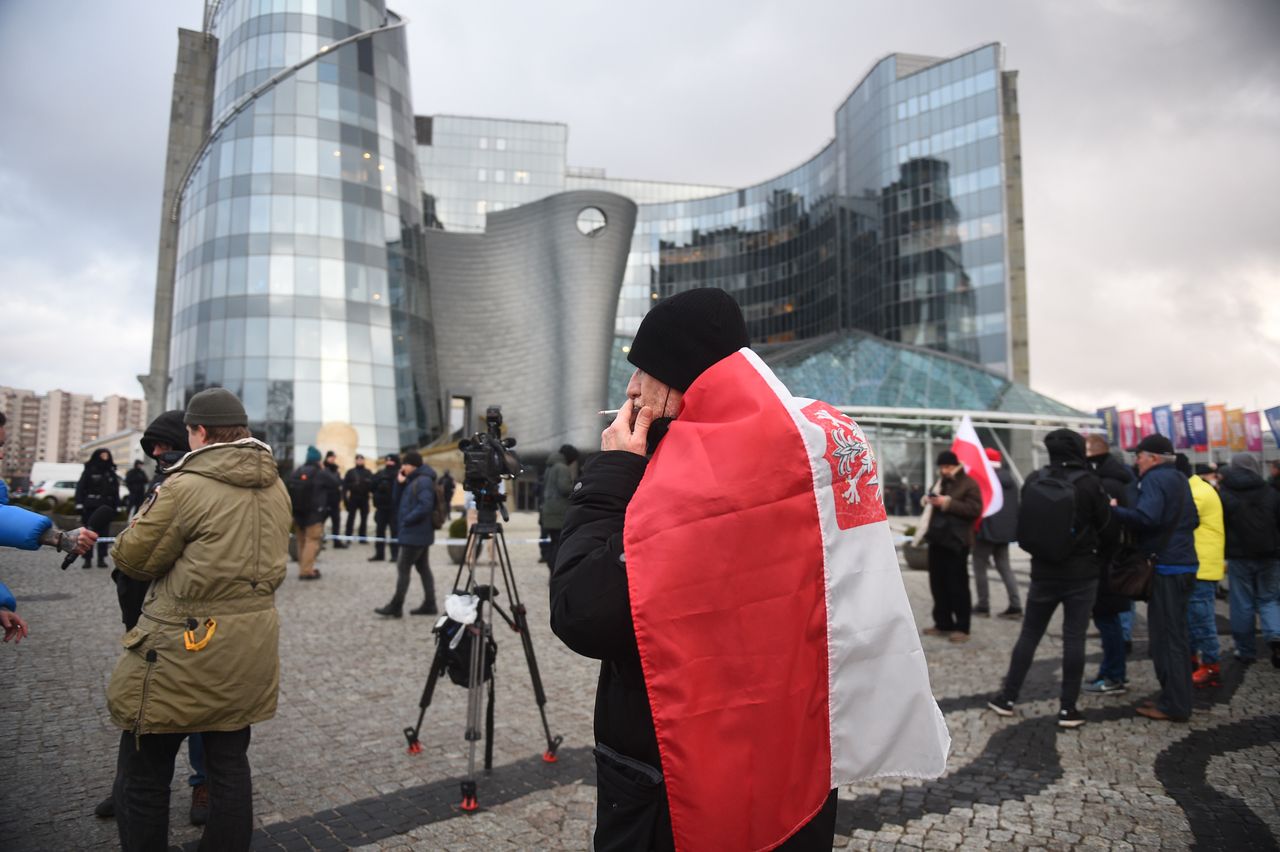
(907, 224)
(299, 280)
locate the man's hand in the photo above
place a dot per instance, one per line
(621, 436)
(85, 539)
(14, 627)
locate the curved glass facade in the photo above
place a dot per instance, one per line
(895, 227)
(300, 283)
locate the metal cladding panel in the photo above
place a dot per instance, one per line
(524, 315)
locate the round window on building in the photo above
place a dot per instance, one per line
(591, 221)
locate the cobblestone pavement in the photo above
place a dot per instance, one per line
(331, 771)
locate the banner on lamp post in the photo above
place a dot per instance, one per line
(1237, 440)
(1163, 417)
(1196, 423)
(1273, 420)
(1146, 424)
(1180, 439)
(1110, 424)
(1128, 430)
(1253, 432)
(1216, 418)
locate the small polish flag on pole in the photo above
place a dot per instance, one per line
(969, 450)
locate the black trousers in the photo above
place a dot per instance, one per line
(102, 530)
(1076, 597)
(383, 524)
(363, 509)
(144, 771)
(949, 584)
(1170, 646)
(334, 513)
(414, 556)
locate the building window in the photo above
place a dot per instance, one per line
(500, 144)
(482, 207)
(499, 176)
(520, 176)
(482, 175)
(591, 221)
(484, 143)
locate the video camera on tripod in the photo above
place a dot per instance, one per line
(488, 459)
(465, 647)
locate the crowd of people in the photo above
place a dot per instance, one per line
(1101, 537)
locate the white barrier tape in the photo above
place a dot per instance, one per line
(107, 539)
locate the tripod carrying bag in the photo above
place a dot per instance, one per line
(453, 646)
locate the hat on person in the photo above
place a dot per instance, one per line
(313, 455)
(1247, 461)
(684, 334)
(215, 407)
(166, 429)
(947, 457)
(413, 457)
(1182, 464)
(1156, 444)
(393, 458)
(1065, 446)
(994, 455)
(570, 453)
(1202, 468)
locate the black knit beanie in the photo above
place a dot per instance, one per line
(686, 333)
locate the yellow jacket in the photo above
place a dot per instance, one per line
(1211, 535)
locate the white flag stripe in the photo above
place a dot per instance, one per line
(968, 435)
(882, 715)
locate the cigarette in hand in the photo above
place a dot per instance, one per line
(613, 412)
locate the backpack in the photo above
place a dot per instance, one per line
(1047, 515)
(302, 491)
(440, 511)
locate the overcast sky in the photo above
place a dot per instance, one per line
(1150, 144)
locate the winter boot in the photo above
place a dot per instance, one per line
(1208, 674)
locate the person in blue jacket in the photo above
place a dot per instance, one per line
(27, 531)
(1164, 520)
(415, 496)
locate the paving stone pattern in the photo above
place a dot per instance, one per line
(331, 771)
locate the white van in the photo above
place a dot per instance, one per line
(54, 479)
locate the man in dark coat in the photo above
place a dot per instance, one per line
(992, 542)
(355, 493)
(384, 507)
(415, 496)
(1251, 514)
(955, 505)
(99, 485)
(1110, 609)
(333, 496)
(309, 489)
(557, 484)
(136, 481)
(1164, 520)
(1071, 581)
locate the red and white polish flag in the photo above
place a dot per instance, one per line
(780, 654)
(969, 450)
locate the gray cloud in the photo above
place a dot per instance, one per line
(1149, 139)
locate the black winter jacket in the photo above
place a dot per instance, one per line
(322, 485)
(1251, 512)
(384, 485)
(356, 486)
(1116, 480)
(591, 606)
(1002, 527)
(99, 484)
(1092, 514)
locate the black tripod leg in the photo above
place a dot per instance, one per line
(488, 731)
(433, 674)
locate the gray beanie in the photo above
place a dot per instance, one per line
(215, 407)
(1247, 461)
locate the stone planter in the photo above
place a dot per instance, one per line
(457, 552)
(917, 558)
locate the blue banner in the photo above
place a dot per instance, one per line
(1111, 423)
(1163, 417)
(1273, 420)
(1196, 423)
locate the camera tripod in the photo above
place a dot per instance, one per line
(482, 650)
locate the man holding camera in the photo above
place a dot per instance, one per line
(213, 540)
(717, 592)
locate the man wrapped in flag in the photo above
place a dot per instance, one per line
(728, 560)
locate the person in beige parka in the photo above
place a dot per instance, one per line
(213, 541)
